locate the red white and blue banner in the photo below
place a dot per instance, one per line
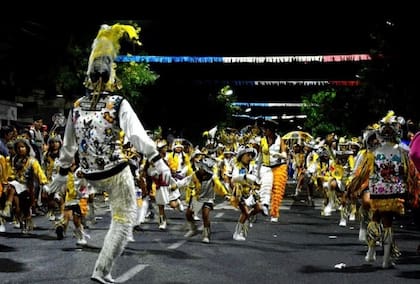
(243, 59)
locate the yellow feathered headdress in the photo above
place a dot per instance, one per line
(107, 45)
(388, 119)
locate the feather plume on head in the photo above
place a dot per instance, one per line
(389, 117)
(101, 68)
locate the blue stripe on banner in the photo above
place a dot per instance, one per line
(168, 59)
(247, 59)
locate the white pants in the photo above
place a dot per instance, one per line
(266, 175)
(122, 199)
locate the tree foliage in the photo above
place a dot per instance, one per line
(319, 108)
(134, 76)
(72, 71)
(224, 103)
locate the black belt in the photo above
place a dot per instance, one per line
(106, 174)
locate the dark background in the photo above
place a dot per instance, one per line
(31, 44)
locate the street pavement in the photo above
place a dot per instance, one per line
(303, 247)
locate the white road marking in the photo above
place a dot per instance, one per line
(177, 245)
(131, 273)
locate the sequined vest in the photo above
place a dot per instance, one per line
(98, 133)
(389, 176)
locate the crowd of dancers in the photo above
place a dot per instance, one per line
(369, 179)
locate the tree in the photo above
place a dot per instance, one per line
(71, 72)
(134, 76)
(224, 100)
(319, 108)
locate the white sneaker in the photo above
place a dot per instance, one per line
(274, 219)
(265, 210)
(2, 228)
(327, 211)
(180, 206)
(16, 224)
(162, 226)
(370, 257)
(81, 242)
(352, 217)
(109, 278)
(102, 279)
(343, 222)
(239, 237)
(205, 240)
(196, 218)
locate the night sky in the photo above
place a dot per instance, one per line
(262, 30)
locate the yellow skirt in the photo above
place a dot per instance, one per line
(388, 205)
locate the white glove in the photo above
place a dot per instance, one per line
(252, 179)
(164, 170)
(57, 183)
(183, 182)
(46, 188)
(173, 185)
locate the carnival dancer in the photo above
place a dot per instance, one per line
(355, 147)
(329, 174)
(358, 189)
(179, 163)
(297, 163)
(308, 177)
(415, 150)
(274, 155)
(51, 168)
(6, 193)
(386, 171)
(135, 161)
(205, 184)
(178, 160)
(264, 174)
(76, 188)
(25, 169)
(167, 193)
(245, 189)
(342, 170)
(226, 164)
(414, 177)
(414, 154)
(96, 127)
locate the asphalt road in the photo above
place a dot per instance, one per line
(303, 247)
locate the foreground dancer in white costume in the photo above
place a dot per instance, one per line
(96, 127)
